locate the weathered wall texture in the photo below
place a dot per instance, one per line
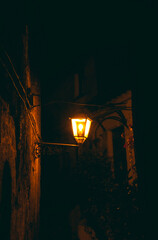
(18, 137)
(7, 156)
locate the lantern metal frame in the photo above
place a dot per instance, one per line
(81, 128)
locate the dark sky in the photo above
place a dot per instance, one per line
(60, 32)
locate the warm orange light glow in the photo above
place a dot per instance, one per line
(87, 128)
(80, 128)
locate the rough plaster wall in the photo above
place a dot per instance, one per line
(28, 183)
(23, 216)
(7, 150)
(25, 197)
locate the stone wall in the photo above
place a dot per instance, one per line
(7, 156)
(19, 134)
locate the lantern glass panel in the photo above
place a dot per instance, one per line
(81, 129)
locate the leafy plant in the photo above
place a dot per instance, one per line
(111, 209)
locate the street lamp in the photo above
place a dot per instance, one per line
(81, 127)
(81, 123)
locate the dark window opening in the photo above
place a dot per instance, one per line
(80, 88)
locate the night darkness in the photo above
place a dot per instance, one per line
(60, 34)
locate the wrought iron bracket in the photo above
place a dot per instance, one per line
(50, 148)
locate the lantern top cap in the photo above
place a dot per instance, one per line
(80, 116)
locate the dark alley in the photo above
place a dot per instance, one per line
(77, 121)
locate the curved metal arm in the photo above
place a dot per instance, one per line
(121, 118)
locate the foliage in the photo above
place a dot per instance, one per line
(111, 209)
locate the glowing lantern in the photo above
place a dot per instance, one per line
(81, 127)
